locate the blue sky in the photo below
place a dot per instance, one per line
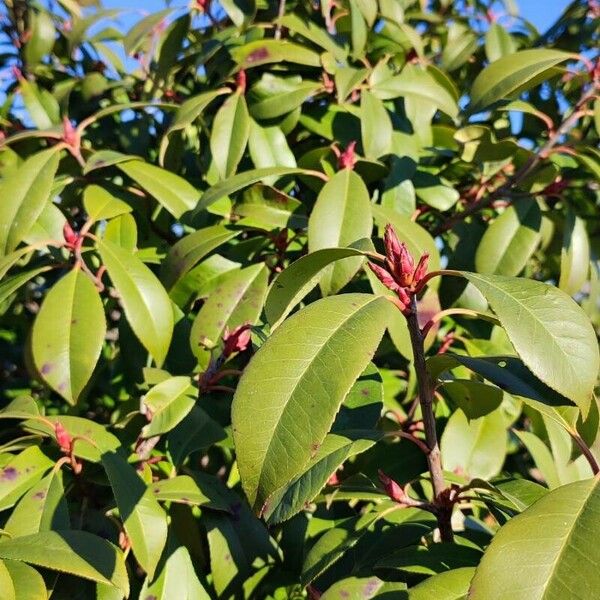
(542, 13)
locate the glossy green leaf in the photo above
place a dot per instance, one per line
(460, 45)
(498, 42)
(364, 588)
(512, 74)
(450, 585)
(101, 204)
(106, 158)
(122, 231)
(229, 136)
(172, 191)
(20, 473)
(376, 126)
(551, 334)
(340, 217)
(198, 491)
(7, 588)
(475, 448)
(10, 285)
(238, 299)
(145, 301)
(68, 334)
(176, 579)
(242, 180)
(26, 191)
(241, 12)
(273, 96)
(293, 283)
(553, 552)
(168, 402)
(42, 508)
(144, 520)
(39, 103)
(28, 584)
(574, 256)
(309, 356)
(474, 398)
(190, 250)
(510, 240)
(266, 51)
(48, 226)
(77, 552)
(269, 148)
(186, 114)
(42, 36)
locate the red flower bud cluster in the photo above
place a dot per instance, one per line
(401, 276)
(71, 237)
(237, 340)
(347, 158)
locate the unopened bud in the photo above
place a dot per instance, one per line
(70, 236)
(421, 269)
(384, 276)
(347, 158)
(62, 437)
(240, 80)
(237, 340)
(392, 489)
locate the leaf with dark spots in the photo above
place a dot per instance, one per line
(9, 474)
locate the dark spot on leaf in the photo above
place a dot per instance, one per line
(227, 558)
(219, 305)
(365, 392)
(258, 54)
(151, 597)
(344, 594)
(73, 321)
(9, 474)
(370, 588)
(40, 495)
(156, 490)
(46, 368)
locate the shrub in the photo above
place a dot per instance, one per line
(298, 300)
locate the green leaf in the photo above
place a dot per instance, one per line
(68, 334)
(293, 283)
(106, 158)
(122, 231)
(460, 45)
(574, 256)
(176, 579)
(512, 74)
(11, 284)
(186, 114)
(20, 473)
(190, 250)
(450, 585)
(318, 353)
(376, 126)
(42, 508)
(169, 402)
(238, 299)
(549, 331)
(28, 584)
(498, 42)
(7, 588)
(144, 520)
(269, 148)
(553, 549)
(77, 552)
(242, 180)
(26, 190)
(241, 12)
(100, 204)
(510, 240)
(266, 51)
(198, 491)
(476, 448)
(341, 216)
(171, 191)
(40, 104)
(229, 134)
(145, 301)
(273, 96)
(474, 398)
(364, 588)
(42, 36)
(48, 226)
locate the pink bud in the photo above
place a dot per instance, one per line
(391, 242)
(384, 276)
(237, 340)
(71, 237)
(392, 489)
(62, 437)
(347, 158)
(403, 296)
(240, 80)
(421, 269)
(69, 133)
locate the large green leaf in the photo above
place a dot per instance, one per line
(77, 552)
(340, 217)
(172, 191)
(189, 250)
(101, 204)
(376, 126)
(275, 96)
(242, 180)
(364, 588)
(296, 383)
(145, 301)
(42, 508)
(20, 473)
(238, 299)
(511, 74)
(68, 334)
(574, 256)
(144, 520)
(292, 284)
(28, 584)
(229, 134)
(548, 552)
(176, 579)
(261, 52)
(450, 585)
(25, 192)
(510, 240)
(269, 148)
(549, 331)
